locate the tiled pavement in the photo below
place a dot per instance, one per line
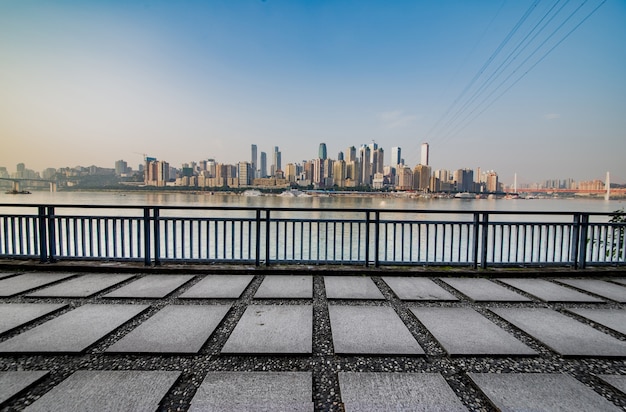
(310, 341)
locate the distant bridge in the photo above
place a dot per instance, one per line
(17, 183)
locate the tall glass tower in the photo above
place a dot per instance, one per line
(322, 151)
(424, 160)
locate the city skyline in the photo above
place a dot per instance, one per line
(208, 80)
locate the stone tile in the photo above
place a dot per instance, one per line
(108, 391)
(380, 391)
(562, 333)
(273, 329)
(611, 318)
(550, 292)
(351, 287)
(13, 382)
(22, 283)
(370, 330)
(464, 331)
(219, 287)
(6, 275)
(599, 287)
(621, 281)
(174, 329)
(539, 392)
(73, 331)
(285, 287)
(150, 287)
(411, 288)
(254, 391)
(81, 287)
(616, 381)
(483, 290)
(13, 315)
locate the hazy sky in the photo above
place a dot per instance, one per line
(92, 82)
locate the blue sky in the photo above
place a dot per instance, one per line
(85, 83)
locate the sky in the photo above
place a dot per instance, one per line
(527, 87)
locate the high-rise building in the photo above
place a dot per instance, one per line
(244, 174)
(120, 167)
(396, 156)
(378, 160)
(322, 151)
(339, 173)
(424, 158)
(253, 159)
(421, 177)
(276, 166)
(263, 172)
(340, 156)
(366, 165)
(351, 154)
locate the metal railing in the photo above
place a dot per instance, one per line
(267, 236)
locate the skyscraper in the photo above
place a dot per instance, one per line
(263, 164)
(276, 166)
(396, 156)
(253, 160)
(424, 160)
(351, 154)
(322, 151)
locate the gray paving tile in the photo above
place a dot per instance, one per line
(22, 283)
(380, 391)
(273, 329)
(173, 329)
(483, 290)
(351, 287)
(616, 381)
(6, 275)
(611, 318)
(370, 330)
(73, 331)
(254, 391)
(219, 287)
(621, 281)
(562, 333)
(463, 331)
(13, 382)
(599, 287)
(98, 391)
(410, 288)
(285, 287)
(550, 292)
(13, 315)
(151, 287)
(539, 392)
(81, 287)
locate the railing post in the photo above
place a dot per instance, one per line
(43, 236)
(367, 239)
(51, 235)
(582, 248)
(485, 240)
(376, 238)
(476, 237)
(257, 239)
(146, 236)
(267, 237)
(576, 239)
(156, 224)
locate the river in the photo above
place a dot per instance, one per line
(315, 202)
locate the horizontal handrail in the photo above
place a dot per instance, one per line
(267, 236)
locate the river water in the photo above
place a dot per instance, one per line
(315, 202)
